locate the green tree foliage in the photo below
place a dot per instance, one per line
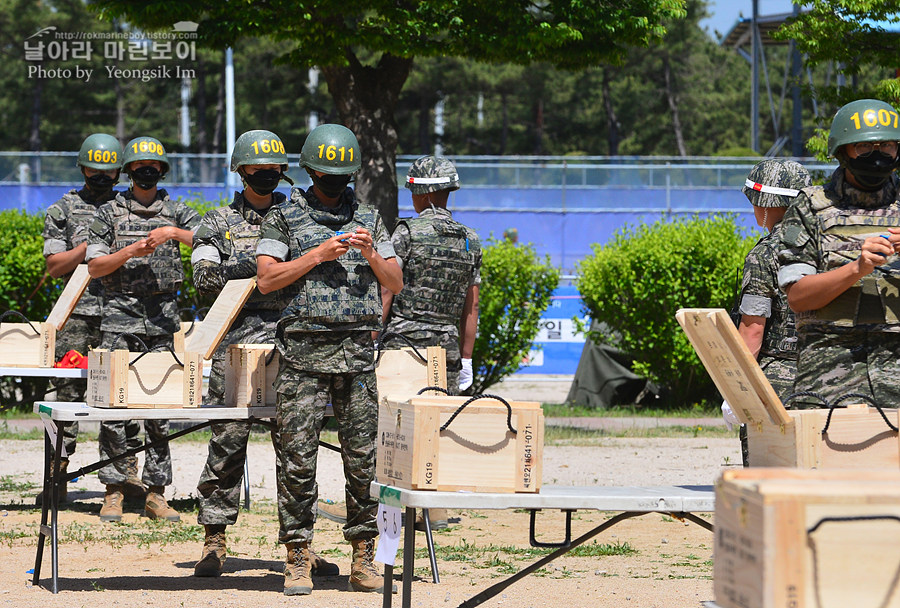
(189, 297)
(637, 282)
(515, 291)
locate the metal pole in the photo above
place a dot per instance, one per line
(185, 128)
(754, 77)
(797, 144)
(230, 178)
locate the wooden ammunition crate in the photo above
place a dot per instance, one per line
(857, 437)
(250, 372)
(477, 452)
(807, 539)
(154, 380)
(401, 373)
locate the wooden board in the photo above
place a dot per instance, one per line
(69, 297)
(155, 380)
(476, 453)
(24, 345)
(205, 338)
(401, 374)
(250, 372)
(807, 539)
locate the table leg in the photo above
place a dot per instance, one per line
(45, 509)
(409, 556)
(54, 511)
(387, 591)
(435, 577)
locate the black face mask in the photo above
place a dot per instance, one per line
(331, 186)
(145, 177)
(873, 170)
(263, 182)
(100, 184)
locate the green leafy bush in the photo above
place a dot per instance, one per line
(637, 282)
(188, 296)
(515, 291)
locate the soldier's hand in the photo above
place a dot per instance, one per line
(334, 247)
(362, 240)
(874, 251)
(158, 236)
(141, 248)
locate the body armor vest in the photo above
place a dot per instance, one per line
(875, 298)
(344, 291)
(80, 213)
(438, 272)
(157, 273)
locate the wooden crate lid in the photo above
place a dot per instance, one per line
(205, 338)
(69, 297)
(828, 485)
(734, 370)
(456, 401)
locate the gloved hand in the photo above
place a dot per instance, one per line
(465, 375)
(730, 417)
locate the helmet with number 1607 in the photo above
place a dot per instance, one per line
(863, 120)
(331, 149)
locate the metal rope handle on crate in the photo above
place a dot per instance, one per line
(434, 388)
(199, 312)
(18, 314)
(865, 398)
(818, 397)
(476, 398)
(379, 345)
(144, 347)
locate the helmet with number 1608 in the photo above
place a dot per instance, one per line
(100, 151)
(863, 120)
(145, 148)
(331, 149)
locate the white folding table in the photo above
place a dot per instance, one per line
(678, 501)
(59, 411)
(46, 372)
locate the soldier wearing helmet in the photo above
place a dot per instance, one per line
(766, 321)
(65, 234)
(331, 253)
(225, 249)
(838, 264)
(133, 248)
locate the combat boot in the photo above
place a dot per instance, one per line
(364, 575)
(134, 488)
(436, 517)
(321, 566)
(112, 503)
(335, 511)
(212, 559)
(63, 487)
(156, 506)
(298, 570)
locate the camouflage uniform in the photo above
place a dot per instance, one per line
(140, 298)
(324, 339)
(65, 228)
(441, 259)
(761, 297)
(225, 249)
(853, 343)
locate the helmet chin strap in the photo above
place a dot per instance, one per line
(765, 219)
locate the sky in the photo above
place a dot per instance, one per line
(725, 13)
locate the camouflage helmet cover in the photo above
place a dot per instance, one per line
(100, 151)
(145, 148)
(863, 120)
(331, 149)
(258, 147)
(430, 174)
(775, 182)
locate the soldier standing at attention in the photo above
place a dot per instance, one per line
(838, 264)
(767, 322)
(65, 242)
(225, 249)
(331, 251)
(133, 248)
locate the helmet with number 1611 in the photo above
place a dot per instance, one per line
(145, 148)
(863, 120)
(331, 149)
(100, 151)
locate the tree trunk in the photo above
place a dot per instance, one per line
(200, 100)
(365, 97)
(220, 113)
(539, 128)
(504, 132)
(672, 98)
(120, 111)
(612, 121)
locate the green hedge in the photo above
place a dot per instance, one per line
(636, 283)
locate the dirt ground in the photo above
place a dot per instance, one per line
(656, 561)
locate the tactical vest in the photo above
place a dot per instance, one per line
(240, 244)
(157, 273)
(780, 337)
(438, 271)
(341, 292)
(80, 214)
(875, 298)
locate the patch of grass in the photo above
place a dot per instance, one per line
(567, 435)
(562, 410)
(10, 483)
(8, 433)
(141, 534)
(596, 549)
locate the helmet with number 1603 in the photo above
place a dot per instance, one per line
(331, 149)
(863, 120)
(258, 147)
(145, 148)
(100, 151)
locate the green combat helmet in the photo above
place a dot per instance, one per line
(100, 151)
(146, 148)
(331, 149)
(431, 174)
(775, 182)
(259, 147)
(863, 120)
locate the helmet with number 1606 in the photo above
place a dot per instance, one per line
(331, 149)
(259, 147)
(145, 148)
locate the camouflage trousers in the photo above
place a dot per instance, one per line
(834, 363)
(117, 436)
(302, 399)
(80, 333)
(781, 374)
(424, 338)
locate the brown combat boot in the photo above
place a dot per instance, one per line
(364, 576)
(335, 511)
(436, 517)
(212, 559)
(321, 566)
(134, 488)
(156, 506)
(112, 503)
(298, 570)
(63, 487)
